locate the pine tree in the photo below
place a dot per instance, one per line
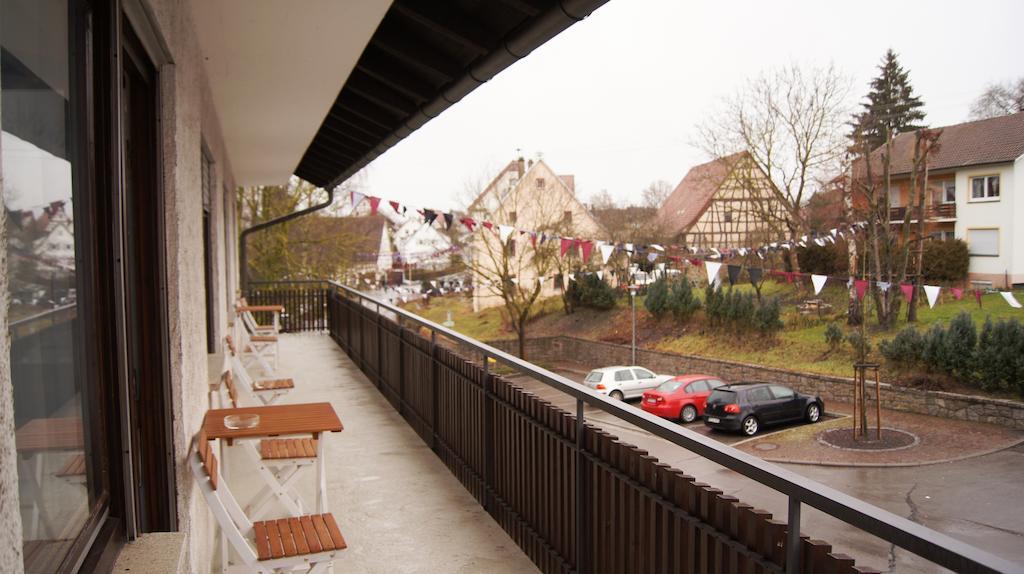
(891, 105)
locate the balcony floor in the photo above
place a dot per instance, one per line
(398, 507)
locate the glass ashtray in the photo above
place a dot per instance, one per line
(237, 422)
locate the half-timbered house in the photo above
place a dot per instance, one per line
(727, 202)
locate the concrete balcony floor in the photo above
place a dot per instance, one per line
(397, 505)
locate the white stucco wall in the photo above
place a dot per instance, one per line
(188, 120)
(992, 214)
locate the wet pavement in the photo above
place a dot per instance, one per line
(976, 500)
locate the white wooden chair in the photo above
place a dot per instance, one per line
(245, 311)
(262, 391)
(307, 543)
(258, 341)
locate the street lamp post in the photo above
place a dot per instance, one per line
(632, 298)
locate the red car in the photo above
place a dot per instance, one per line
(681, 398)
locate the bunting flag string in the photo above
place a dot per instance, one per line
(712, 268)
(932, 292)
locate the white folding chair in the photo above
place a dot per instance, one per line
(307, 543)
(260, 342)
(279, 462)
(262, 391)
(244, 310)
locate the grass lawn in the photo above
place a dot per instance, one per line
(799, 346)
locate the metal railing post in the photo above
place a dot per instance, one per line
(581, 498)
(793, 537)
(401, 367)
(488, 388)
(435, 442)
(380, 350)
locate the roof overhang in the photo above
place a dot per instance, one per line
(424, 57)
(275, 69)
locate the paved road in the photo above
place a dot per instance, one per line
(978, 500)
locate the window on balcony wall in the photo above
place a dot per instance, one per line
(985, 187)
(983, 242)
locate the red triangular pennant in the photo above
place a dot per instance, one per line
(469, 223)
(488, 225)
(908, 291)
(566, 244)
(587, 247)
(958, 293)
(394, 205)
(533, 238)
(862, 286)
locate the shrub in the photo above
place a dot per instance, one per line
(859, 344)
(833, 336)
(657, 298)
(905, 349)
(933, 353)
(737, 311)
(591, 291)
(681, 300)
(960, 342)
(828, 259)
(945, 260)
(999, 357)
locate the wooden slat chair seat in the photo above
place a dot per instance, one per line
(285, 448)
(245, 311)
(286, 537)
(273, 384)
(307, 543)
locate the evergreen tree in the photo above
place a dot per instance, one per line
(891, 105)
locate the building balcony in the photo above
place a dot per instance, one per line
(939, 212)
(444, 460)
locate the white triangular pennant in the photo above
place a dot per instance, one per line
(713, 267)
(1009, 299)
(504, 231)
(932, 291)
(357, 198)
(833, 231)
(606, 252)
(819, 282)
(600, 275)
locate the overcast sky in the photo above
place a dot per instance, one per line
(614, 99)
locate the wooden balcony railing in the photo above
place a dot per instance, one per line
(931, 212)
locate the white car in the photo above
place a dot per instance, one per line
(623, 382)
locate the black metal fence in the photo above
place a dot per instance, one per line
(304, 302)
(574, 497)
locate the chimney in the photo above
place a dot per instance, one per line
(521, 166)
(529, 164)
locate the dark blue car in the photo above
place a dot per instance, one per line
(747, 407)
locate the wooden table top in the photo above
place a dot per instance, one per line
(275, 420)
(243, 308)
(50, 434)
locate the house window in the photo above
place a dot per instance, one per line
(567, 216)
(727, 216)
(512, 217)
(943, 235)
(983, 242)
(894, 197)
(949, 192)
(540, 183)
(985, 187)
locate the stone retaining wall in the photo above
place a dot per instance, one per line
(596, 353)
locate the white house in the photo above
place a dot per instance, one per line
(976, 193)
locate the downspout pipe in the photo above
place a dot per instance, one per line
(243, 239)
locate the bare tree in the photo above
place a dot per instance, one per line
(602, 200)
(791, 122)
(999, 100)
(656, 193)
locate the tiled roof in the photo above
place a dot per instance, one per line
(692, 196)
(993, 140)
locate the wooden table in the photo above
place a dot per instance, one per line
(311, 419)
